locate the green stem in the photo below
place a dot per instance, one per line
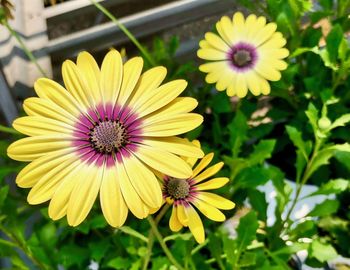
(8, 130)
(151, 237)
(126, 32)
(162, 243)
(22, 247)
(24, 47)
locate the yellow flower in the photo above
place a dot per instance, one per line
(244, 56)
(104, 134)
(187, 193)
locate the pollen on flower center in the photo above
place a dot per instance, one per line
(242, 58)
(108, 136)
(178, 188)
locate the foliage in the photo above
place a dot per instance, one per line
(299, 132)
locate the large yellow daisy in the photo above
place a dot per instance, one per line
(186, 193)
(104, 133)
(244, 55)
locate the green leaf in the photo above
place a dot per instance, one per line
(333, 40)
(325, 208)
(220, 103)
(238, 132)
(258, 201)
(246, 230)
(296, 137)
(3, 194)
(119, 263)
(332, 187)
(322, 252)
(300, 51)
(261, 152)
(312, 115)
(252, 177)
(340, 122)
(247, 259)
(291, 249)
(344, 158)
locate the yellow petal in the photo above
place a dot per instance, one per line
(131, 74)
(90, 73)
(209, 172)
(227, 31)
(275, 42)
(217, 66)
(274, 53)
(211, 54)
(75, 84)
(144, 182)
(112, 202)
(202, 164)
(253, 25)
(174, 223)
(160, 97)
(264, 34)
(173, 125)
(50, 90)
(216, 42)
(35, 170)
(215, 200)
(209, 211)
(30, 148)
(195, 224)
(111, 76)
(179, 105)
(44, 189)
(46, 108)
(265, 86)
(181, 215)
(241, 85)
(164, 162)
(267, 72)
(37, 125)
(213, 183)
(59, 201)
(132, 199)
(204, 44)
(253, 82)
(148, 83)
(84, 195)
(175, 145)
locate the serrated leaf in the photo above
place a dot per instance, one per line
(325, 208)
(247, 259)
(291, 249)
(297, 139)
(312, 115)
(246, 230)
(333, 40)
(322, 252)
(332, 187)
(340, 122)
(252, 177)
(238, 132)
(257, 200)
(261, 152)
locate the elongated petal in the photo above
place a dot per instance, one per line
(30, 148)
(174, 223)
(202, 164)
(112, 202)
(213, 183)
(212, 54)
(175, 145)
(195, 224)
(215, 200)
(209, 172)
(164, 162)
(174, 125)
(181, 215)
(131, 74)
(84, 195)
(216, 42)
(209, 211)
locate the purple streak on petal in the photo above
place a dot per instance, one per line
(101, 111)
(109, 110)
(110, 161)
(92, 113)
(242, 46)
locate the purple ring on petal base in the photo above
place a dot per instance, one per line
(242, 57)
(106, 134)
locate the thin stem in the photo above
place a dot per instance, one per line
(162, 243)
(126, 32)
(24, 47)
(8, 130)
(151, 237)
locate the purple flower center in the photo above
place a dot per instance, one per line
(242, 56)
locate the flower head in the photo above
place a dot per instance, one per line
(244, 55)
(186, 193)
(104, 134)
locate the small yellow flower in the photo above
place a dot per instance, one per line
(103, 135)
(185, 194)
(244, 55)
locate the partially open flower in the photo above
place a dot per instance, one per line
(244, 55)
(185, 194)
